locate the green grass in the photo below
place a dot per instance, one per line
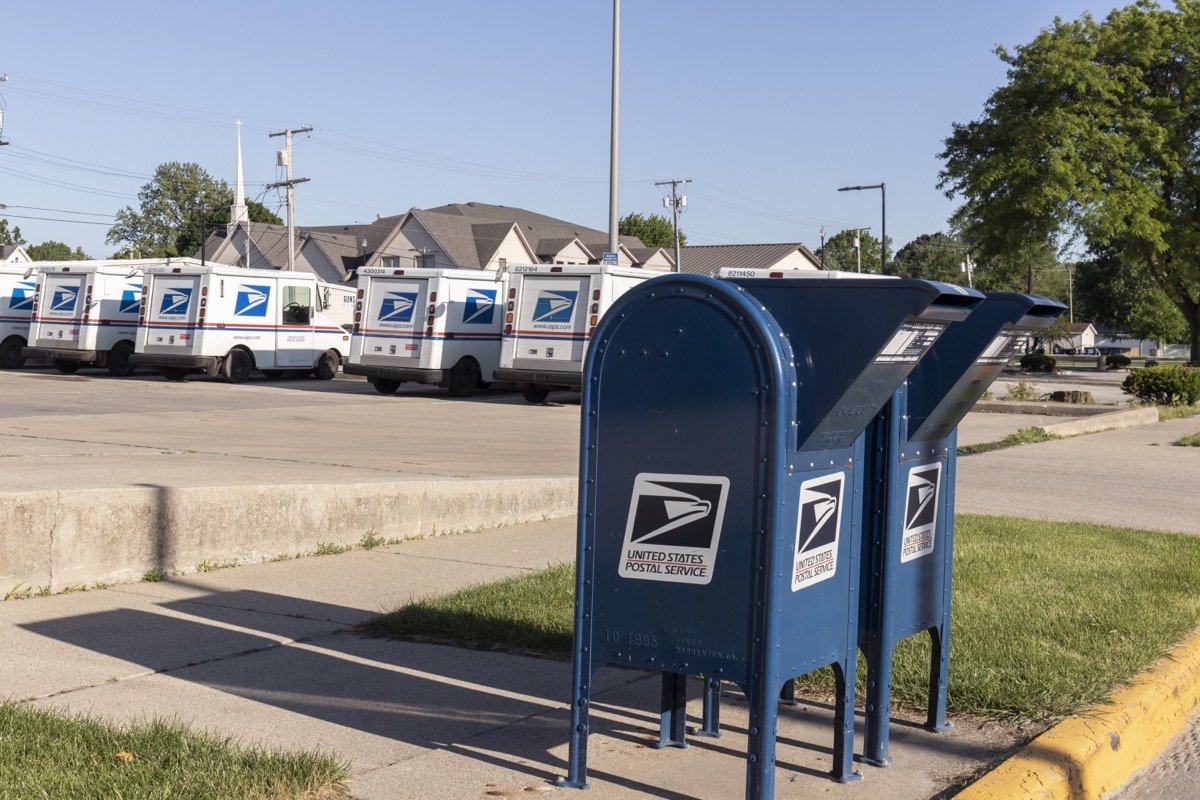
(48, 755)
(1177, 412)
(1190, 441)
(1023, 436)
(1048, 617)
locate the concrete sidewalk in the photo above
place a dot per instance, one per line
(265, 653)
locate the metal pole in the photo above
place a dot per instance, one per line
(614, 136)
(822, 247)
(291, 223)
(675, 220)
(882, 187)
(883, 231)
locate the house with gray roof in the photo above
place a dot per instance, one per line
(13, 254)
(461, 236)
(708, 259)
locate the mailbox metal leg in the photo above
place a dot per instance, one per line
(939, 675)
(577, 754)
(879, 700)
(712, 709)
(760, 751)
(843, 743)
(672, 729)
(787, 695)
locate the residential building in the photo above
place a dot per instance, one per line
(13, 254)
(708, 259)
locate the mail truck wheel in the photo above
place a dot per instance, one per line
(535, 394)
(464, 378)
(237, 366)
(10, 352)
(118, 360)
(385, 385)
(327, 365)
(66, 367)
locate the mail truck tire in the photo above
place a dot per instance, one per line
(10, 353)
(464, 378)
(327, 365)
(535, 394)
(237, 366)
(118, 360)
(66, 367)
(385, 385)
(173, 373)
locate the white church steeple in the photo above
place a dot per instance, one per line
(238, 212)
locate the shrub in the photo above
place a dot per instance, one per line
(1150, 362)
(1117, 361)
(1022, 392)
(1164, 386)
(1038, 362)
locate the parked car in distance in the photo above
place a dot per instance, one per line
(1088, 351)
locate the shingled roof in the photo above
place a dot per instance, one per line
(708, 259)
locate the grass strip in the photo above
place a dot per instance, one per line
(1190, 441)
(1048, 617)
(46, 754)
(1023, 436)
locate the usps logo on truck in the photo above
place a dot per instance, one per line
(131, 299)
(920, 511)
(397, 308)
(818, 530)
(175, 301)
(554, 306)
(673, 528)
(62, 301)
(22, 296)
(251, 301)
(480, 307)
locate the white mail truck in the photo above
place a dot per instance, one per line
(549, 318)
(17, 285)
(85, 313)
(230, 321)
(436, 326)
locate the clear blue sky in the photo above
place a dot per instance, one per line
(767, 106)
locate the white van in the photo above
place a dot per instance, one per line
(18, 283)
(86, 313)
(549, 318)
(230, 321)
(437, 326)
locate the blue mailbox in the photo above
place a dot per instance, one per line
(911, 448)
(720, 489)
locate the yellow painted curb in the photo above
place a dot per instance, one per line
(1089, 756)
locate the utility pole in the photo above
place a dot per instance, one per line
(967, 267)
(615, 133)
(678, 203)
(822, 247)
(285, 160)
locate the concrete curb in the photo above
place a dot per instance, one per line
(60, 539)
(1097, 752)
(1129, 418)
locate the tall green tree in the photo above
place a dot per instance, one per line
(1117, 292)
(840, 253)
(932, 257)
(56, 251)
(654, 230)
(10, 236)
(179, 207)
(1095, 138)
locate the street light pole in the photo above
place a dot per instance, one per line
(882, 187)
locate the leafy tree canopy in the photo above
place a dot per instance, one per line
(179, 207)
(1114, 291)
(10, 236)
(840, 253)
(1095, 138)
(654, 230)
(932, 257)
(56, 251)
